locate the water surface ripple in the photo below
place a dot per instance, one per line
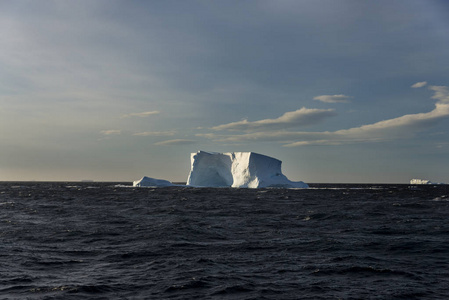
(107, 241)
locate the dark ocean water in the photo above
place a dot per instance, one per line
(106, 241)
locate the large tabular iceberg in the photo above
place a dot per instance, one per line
(238, 169)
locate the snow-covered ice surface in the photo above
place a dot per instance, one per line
(239, 170)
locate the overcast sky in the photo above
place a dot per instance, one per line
(340, 91)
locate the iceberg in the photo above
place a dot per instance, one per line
(152, 182)
(420, 181)
(238, 170)
(423, 181)
(233, 169)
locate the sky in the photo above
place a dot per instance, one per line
(341, 91)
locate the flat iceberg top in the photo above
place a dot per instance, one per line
(233, 153)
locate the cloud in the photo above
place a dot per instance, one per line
(300, 117)
(155, 133)
(332, 98)
(441, 93)
(396, 128)
(111, 132)
(401, 127)
(175, 142)
(270, 136)
(141, 114)
(419, 84)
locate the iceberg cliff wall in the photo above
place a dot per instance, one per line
(238, 169)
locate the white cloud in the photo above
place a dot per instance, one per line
(111, 132)
(401, 127)
(155, 133)
(419, 84)
(316, 142)
(300, 117)
(141, 114)
(271, 136)
(332, 98)
(175, 142)
(441, 93)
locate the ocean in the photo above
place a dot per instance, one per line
(84, 240)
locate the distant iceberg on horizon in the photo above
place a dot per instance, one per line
(423, 181)
(152, 182)
(232, 169)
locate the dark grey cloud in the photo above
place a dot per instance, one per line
(69, 68)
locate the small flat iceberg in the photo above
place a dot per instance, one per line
(422, 181)
(152, 182)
